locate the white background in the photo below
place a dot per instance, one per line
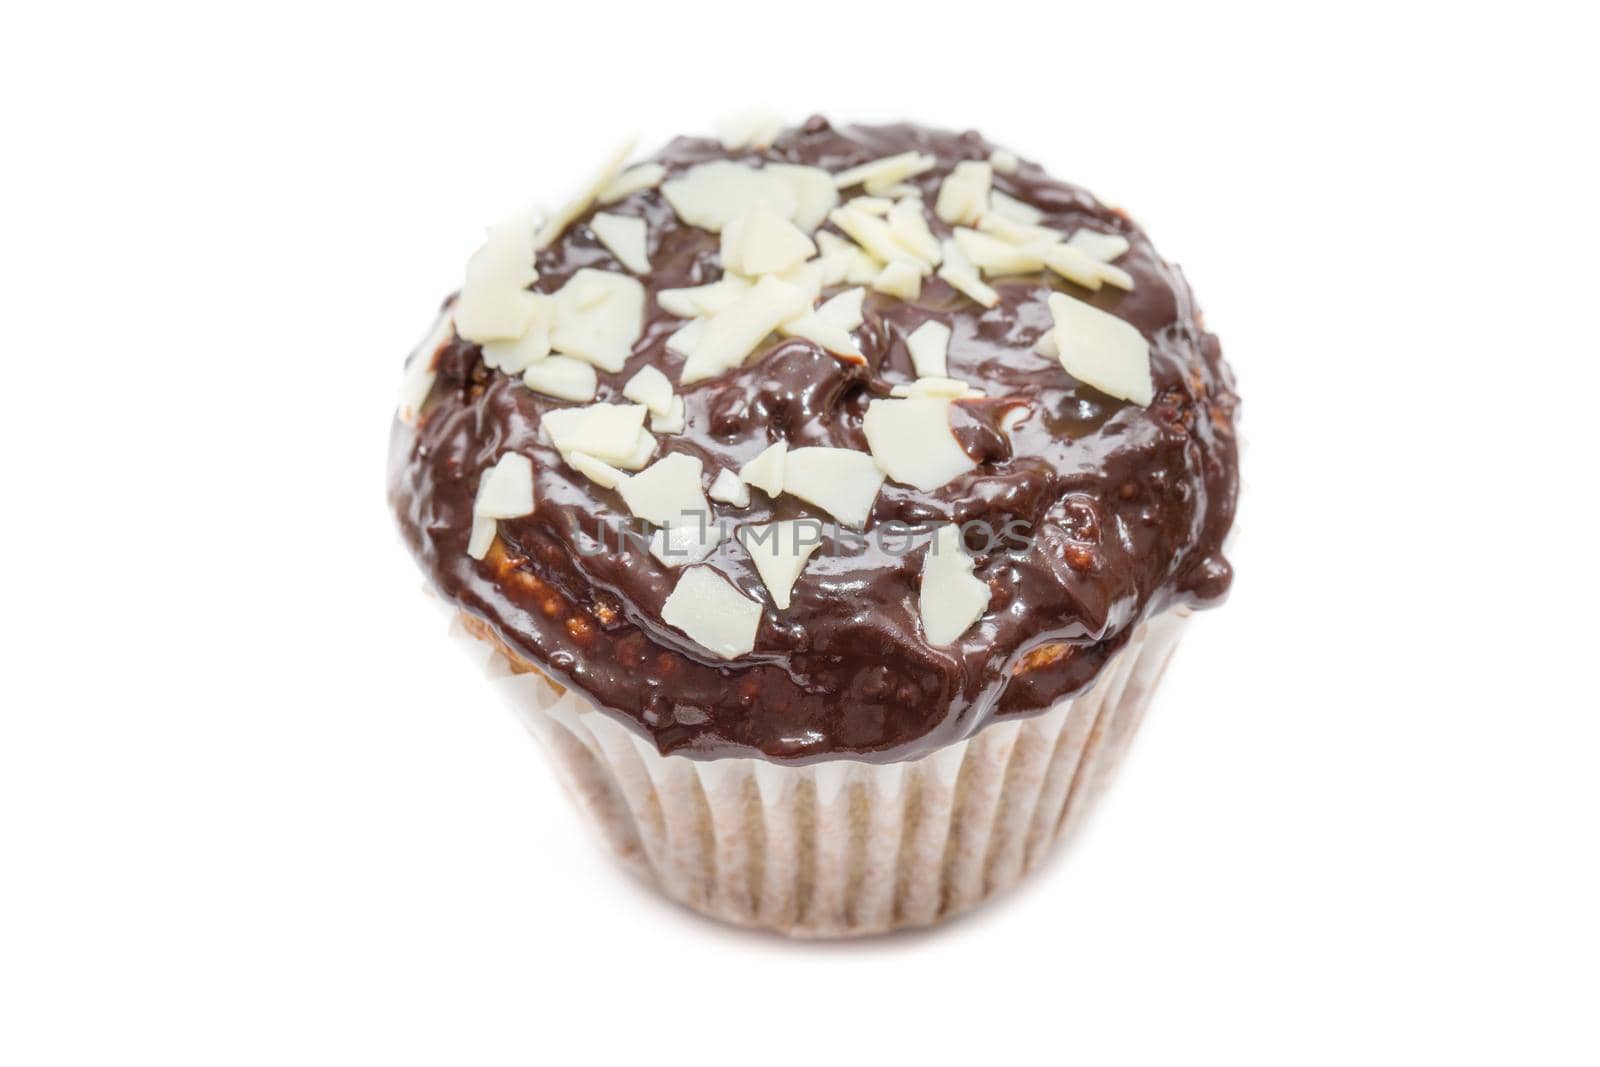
(255, 808)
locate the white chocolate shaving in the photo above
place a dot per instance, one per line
(844, 262)
(702, 300)
(1075, 265)
(668, 491)
(910, 228)
(1102, 246)
(780, 551)
(728, 489)
(599, 316)
(912, 442)
(844, 309)
(733, 333)
(812, 190)
(678, 544)
(959, 273)
(948, 388)
(929, 344)
(994, 256)
(952, 598)
(1004, 162)
(964, 194)
(674, 421)
(581, 202)
(608, 432)
(900, 280)
(494, 304)
(685, 337)
(1015, 209)
(761, 241)
(652, 389)
(752, 129)
(516, 356)
(644, 446)
(562, 377)
(633, 180)
(597, 471)
(841, 481)
(883, 174)
(713, 613)
(711, 195)
(826, 335)
(765, 472)
(505, 491)
(1102, 350)
(626, 237)
(874, 235)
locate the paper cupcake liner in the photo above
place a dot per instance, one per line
(840, 848)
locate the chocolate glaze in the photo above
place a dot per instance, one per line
(1128, 505)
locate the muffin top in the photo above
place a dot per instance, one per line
(819, 442)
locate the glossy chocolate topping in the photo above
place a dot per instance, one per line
(1127, 506)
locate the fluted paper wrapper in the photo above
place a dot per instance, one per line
(840, 848)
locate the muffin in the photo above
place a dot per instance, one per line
(829, 501)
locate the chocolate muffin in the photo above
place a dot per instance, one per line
(834, 496)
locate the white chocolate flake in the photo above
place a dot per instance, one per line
(841, 481)
(952, 598)
(929, 345)
(668, 491)
(678, 544)
(713, 613)
(1015, 209)
(562, 377)
(994, 256)
(1102, 246)
(580, 203)
(910, 229)
(685, 337)
(505, 491)
(844, 309)
(734, 332)
(756, 128)
(912, 442)
(964, 194)
(599, 316)
(726, 488)
(899, 279)
(626, 237)
(1101, 350)
(765, 472)
(495, 303)
(959, 273)
(948, 388)
(881, 175)
(874, 235)
(812, 189)
(633, 180)
(608, 432)
(780, 551)
(674, 421)
(1075, 265)
(652, 389)
(761, 241)
(516, 356)
(702, 300)
(597, 471)
(825, 334)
